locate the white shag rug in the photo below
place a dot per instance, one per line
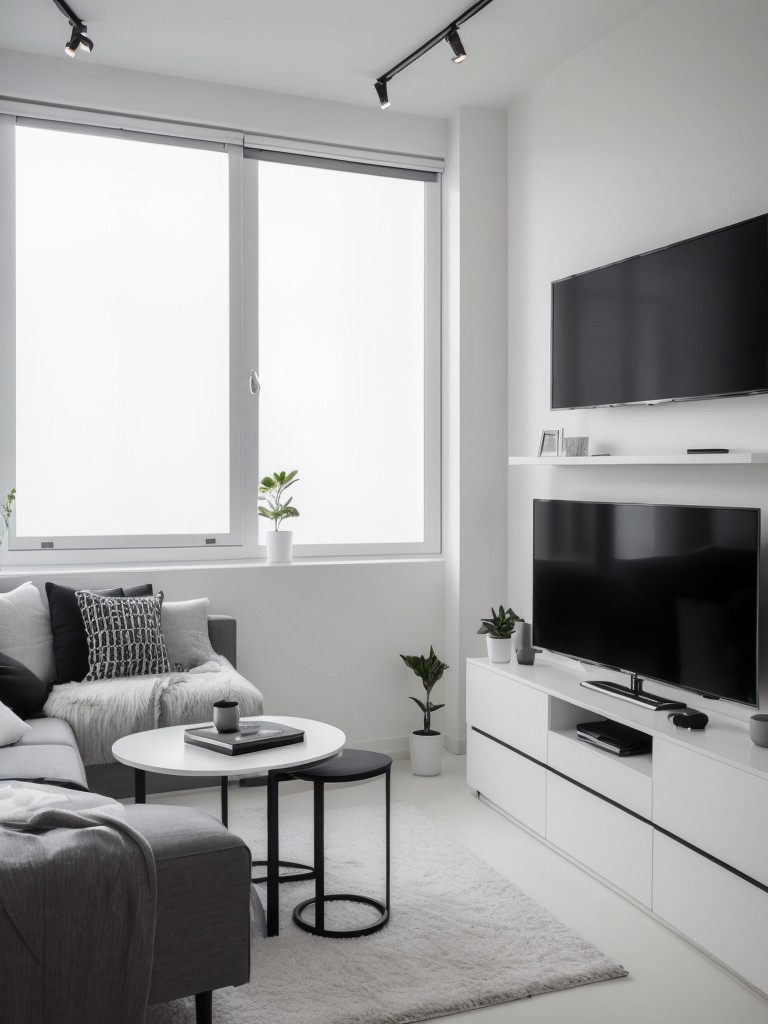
(459, 936)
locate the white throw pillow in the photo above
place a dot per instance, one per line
(12, 728)
(185, 628)
(25, 630)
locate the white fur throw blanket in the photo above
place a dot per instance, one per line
(104, 711)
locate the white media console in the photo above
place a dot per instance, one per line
(682, 831)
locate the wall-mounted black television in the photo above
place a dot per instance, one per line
(689, 321)
(662, 592)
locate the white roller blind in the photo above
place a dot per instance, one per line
(122, 315)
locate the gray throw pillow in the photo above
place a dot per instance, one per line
(124, 636)
(25, 630)
(12, 728)
(185, 629)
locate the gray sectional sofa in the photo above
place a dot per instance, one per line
(203, 871)
(49, 752)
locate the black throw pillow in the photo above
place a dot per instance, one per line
(20, 688)
(70, 647)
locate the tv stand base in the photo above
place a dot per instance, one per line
(635, 695)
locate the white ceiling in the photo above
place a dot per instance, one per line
(328, 49)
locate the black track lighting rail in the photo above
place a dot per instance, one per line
(449, 30)
(70, 15)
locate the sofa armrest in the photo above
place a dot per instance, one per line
(222, 630)
(202, 939)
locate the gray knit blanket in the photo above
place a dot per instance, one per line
(78, 897)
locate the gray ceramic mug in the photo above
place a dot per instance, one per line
(226, 715)
(758, 730)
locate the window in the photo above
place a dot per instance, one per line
(342, 310)
(149, 276)
(122, 341)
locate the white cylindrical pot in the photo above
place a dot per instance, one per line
(279, 545)
(499, 649)
(426, 754)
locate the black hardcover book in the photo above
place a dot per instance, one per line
(249, 737)
(618, 739)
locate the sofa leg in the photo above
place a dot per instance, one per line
(204, 1008)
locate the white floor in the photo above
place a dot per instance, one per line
(669, 981)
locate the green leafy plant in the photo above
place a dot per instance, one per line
(6, 511)
(272, 491)
(501, 624)
(429, 670)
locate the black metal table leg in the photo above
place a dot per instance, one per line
(319, 825)
(387, 784)
(225, 801)
(139, 786)
(273, 856)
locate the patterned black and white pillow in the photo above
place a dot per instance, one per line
(124, 636)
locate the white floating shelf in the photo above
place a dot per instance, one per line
(728, 459)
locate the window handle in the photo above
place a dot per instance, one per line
(254, 383)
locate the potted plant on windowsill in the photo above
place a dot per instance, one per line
(278, 507)
(6, 511)
(426, 744)
(498, 630)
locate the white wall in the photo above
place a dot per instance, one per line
(320, 640)
(654, 134)
(475, 392)
(92, 86)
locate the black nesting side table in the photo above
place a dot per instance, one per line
(350, 766)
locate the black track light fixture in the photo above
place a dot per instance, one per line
(381, 92)
(450, 34)
(454, 41)
(78, 40)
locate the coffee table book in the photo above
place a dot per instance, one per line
(249, 737)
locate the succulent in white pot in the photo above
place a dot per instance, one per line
(426, 744)
(498, 630)
(277, 508)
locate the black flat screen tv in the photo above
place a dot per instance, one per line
(666, 592)
(689, 321)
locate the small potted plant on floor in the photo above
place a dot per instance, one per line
(278, 507)
(498, 631)
(426, 744)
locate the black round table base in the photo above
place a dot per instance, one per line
(351, 933)
(307, 871)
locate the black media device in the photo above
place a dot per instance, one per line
(689, 719)
(667, 592)
(684, 322)
(614, 737)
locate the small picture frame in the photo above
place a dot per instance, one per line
(550, 443)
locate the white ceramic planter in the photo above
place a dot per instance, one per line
(426, 754)
(499, 649)
(279, 545)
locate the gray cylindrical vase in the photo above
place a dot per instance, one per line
(758, 730)
(525, 652)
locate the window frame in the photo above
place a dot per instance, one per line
(245, 540)
(432, 440)
(145, 542)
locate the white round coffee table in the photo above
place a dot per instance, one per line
(165, 752)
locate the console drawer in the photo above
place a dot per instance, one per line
(507, 709)
(626, 780)
(513, 783)
(720, 809)
(721, 912)
(605, 839)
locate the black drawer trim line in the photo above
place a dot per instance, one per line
(614, 803)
